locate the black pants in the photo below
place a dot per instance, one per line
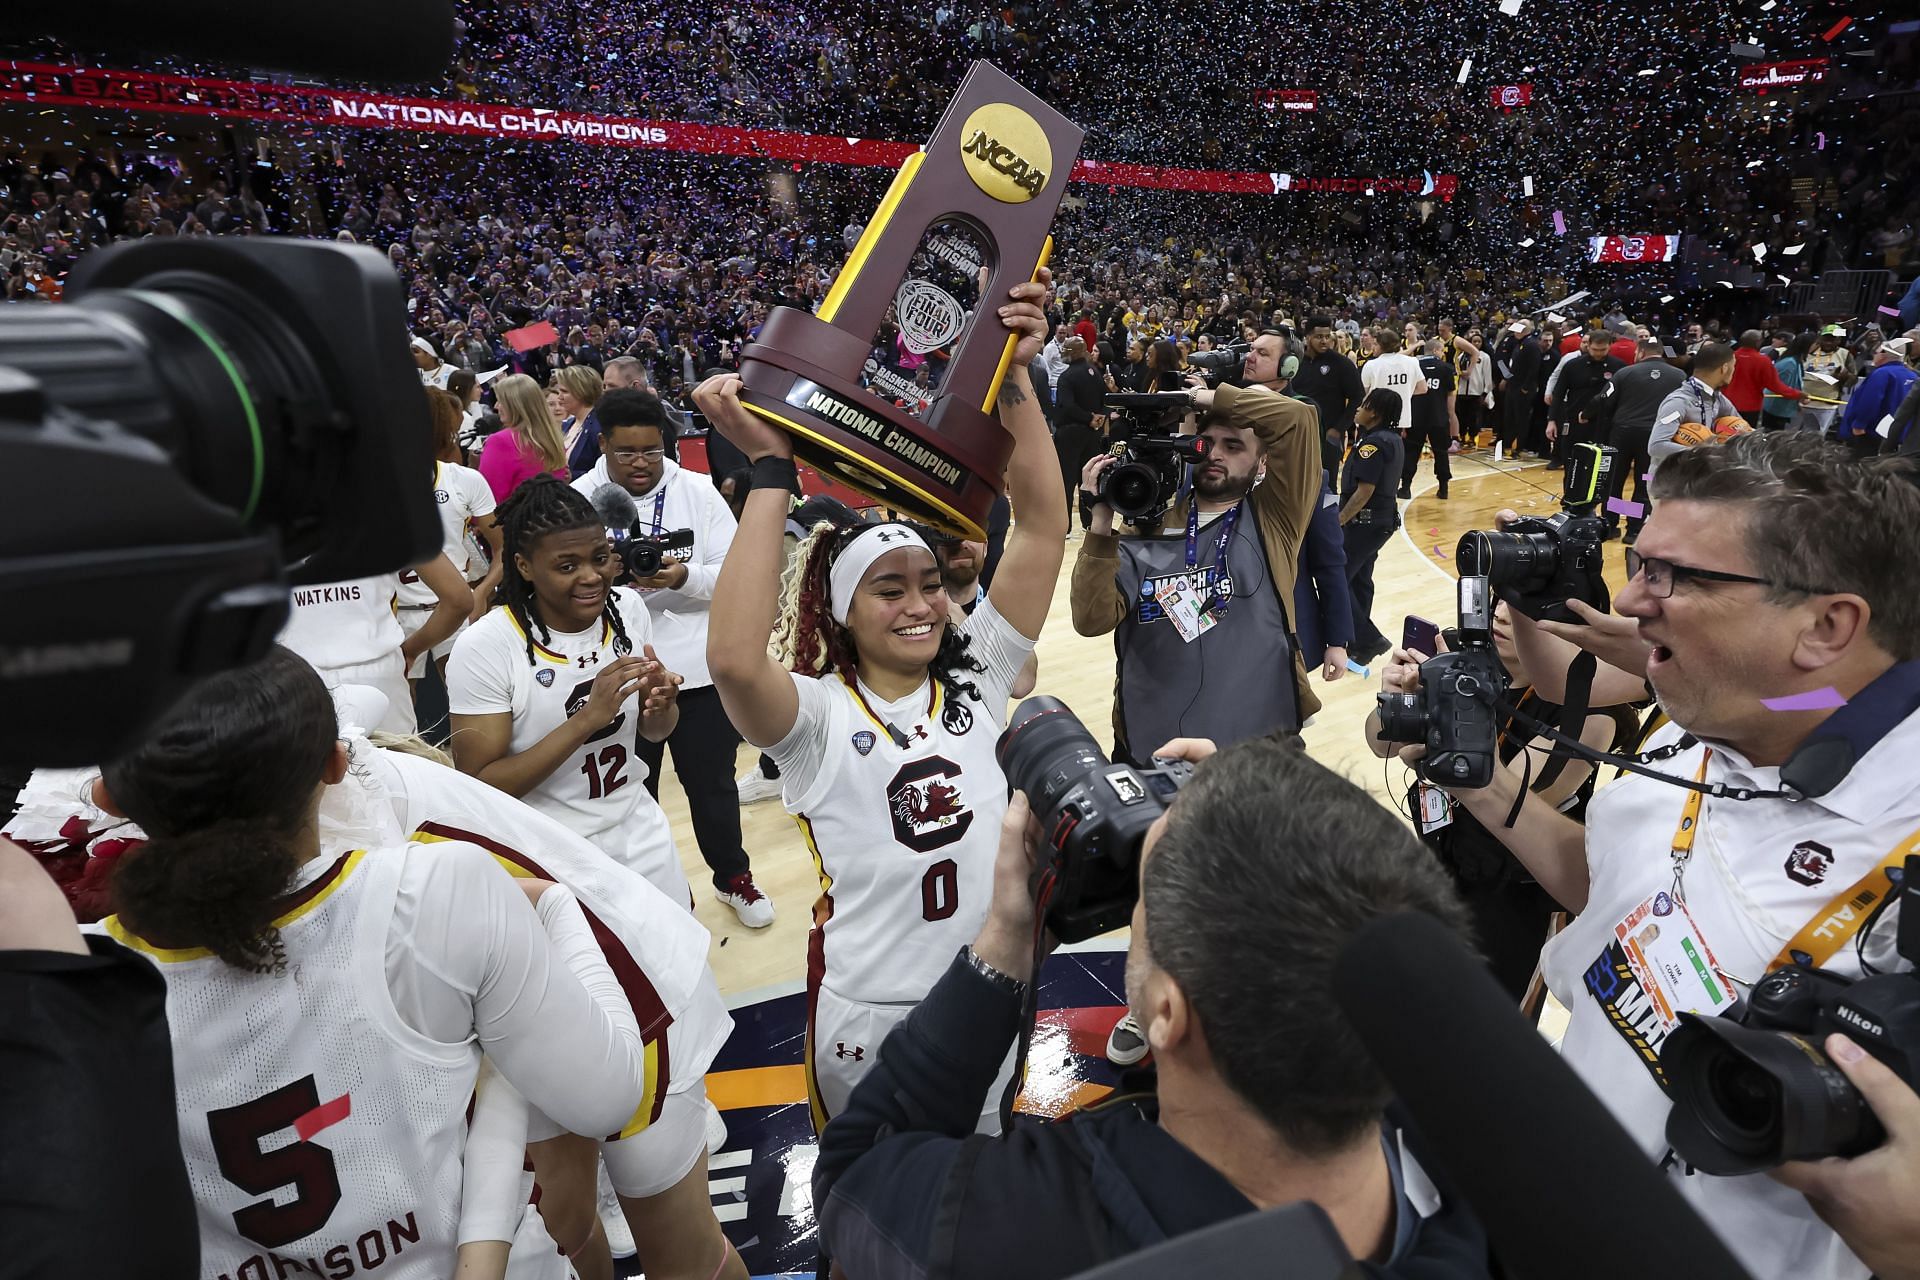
(1516, 414)
(703, 746)
(1076, 443)
(1630, 444)
(1363, 548)
(1471, 410)
(1434, 436)
(1510, 922)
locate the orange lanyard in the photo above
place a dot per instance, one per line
(1682, 852)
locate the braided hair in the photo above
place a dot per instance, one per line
(542, 505)
(807, 640)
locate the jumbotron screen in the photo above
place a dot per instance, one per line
(1633, 250)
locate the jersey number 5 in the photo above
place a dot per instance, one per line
(305, 1166)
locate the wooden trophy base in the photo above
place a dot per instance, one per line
(944, 470)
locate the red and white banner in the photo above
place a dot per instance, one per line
(1632, 250)
(309, 107)
(1783, 75)
(1289, 99)
(1508, 97)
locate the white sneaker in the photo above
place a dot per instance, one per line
(1125, 1045)
(755, 786)
(754, 908)
(716, 1129)
(613, 1220)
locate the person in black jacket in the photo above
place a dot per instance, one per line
(1624, 415)
(1079, 418)
(1581, 383)
(1519, 377)
(1332, 382)
(1250, 884)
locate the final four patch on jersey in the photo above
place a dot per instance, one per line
(1367, 450)
(545, 676)
(863, 741)
(956, 719)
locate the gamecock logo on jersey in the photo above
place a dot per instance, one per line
(578, 699)
(925, 804)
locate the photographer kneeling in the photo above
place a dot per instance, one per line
(1250, 884)
(1204, 621)
(1773, 583)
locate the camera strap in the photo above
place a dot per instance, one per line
(659, 508)
(1837, 923)
(1638, 763)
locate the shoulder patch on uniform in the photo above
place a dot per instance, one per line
(1367, 450)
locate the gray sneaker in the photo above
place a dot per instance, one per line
(1125, 1045)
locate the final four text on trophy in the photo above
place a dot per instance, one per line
(891, 387)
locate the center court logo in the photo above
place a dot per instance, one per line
(1006, 152)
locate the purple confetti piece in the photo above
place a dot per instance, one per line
(1621, 507)
(1890, 311)
(1559, 223)
(1825, 699)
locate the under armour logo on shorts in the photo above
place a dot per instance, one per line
(858, 1052)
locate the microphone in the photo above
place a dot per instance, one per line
(615, 507)
(1546, 1168)
(385, 41)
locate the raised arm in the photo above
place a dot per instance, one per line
(1023, 585)
(756, 690)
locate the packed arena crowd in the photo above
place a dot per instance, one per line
(429, 975)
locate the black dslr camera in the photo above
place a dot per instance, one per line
(1153, 455)
(1538, 565)
(1092, 813)
(642, 553)
(1756, 1089)
(1453, 713)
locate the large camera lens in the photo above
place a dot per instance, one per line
(1747, 1100)
(1045, 750)
(1133, 490)
(1402, 717)
(1517, 561)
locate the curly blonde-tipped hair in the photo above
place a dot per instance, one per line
(806, 639)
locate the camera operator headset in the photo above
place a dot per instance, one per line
(1226, 587)
(1772, 590)
(1511, 912)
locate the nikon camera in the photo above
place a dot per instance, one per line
(1093, 813)
(1756, 1089)
(1453, 714)
(1537, 565)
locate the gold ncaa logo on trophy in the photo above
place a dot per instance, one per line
(890, 387)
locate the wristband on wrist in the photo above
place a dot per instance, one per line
(773, 472)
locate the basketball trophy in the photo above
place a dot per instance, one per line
(890, 387)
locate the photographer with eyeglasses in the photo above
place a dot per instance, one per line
(1774, 617)
(635, 440)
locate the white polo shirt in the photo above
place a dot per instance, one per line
(1760, 871)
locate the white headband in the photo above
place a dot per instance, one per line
(859, 557)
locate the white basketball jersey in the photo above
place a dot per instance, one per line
(597, 792)
(461, 496)
(318, 1129)
(653, 944)
(1400, 374)
(903, 838)
(345, 624)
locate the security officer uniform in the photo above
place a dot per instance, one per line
(1375, 460)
